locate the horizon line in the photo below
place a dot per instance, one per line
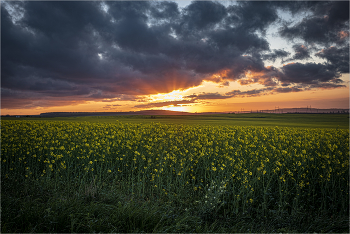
(276, 110)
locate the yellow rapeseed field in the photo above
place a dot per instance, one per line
(265, 167)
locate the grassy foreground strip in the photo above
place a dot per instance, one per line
(60, 176)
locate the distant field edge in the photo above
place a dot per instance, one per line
(309, 120)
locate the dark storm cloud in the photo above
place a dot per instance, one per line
(337, 57)
(267, 77)
(260, 92)
(165, 10)
(301, 53)
(310, 30)
(326, 86)
(248, 93)
(240, 39)
(252, 15)
(275, 55)
(323, 26)
(287, 90)
(201, 15)
(51, 41)
(307, 73)
(206, 96)
(231, 94)
(118, 50)
(12, 99)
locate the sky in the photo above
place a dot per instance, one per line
(193, 56)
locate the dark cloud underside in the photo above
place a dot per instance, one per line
(85, 51)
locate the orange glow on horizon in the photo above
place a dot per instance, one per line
(172, 96)
(175, 95)
(317, 98)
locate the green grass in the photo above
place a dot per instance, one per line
(340, 121)
(32, 207)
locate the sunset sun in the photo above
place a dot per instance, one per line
(175, 108)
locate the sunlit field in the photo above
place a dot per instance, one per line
(60, 176)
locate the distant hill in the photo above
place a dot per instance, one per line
(302, 110)
(143, 112)
(168, 112)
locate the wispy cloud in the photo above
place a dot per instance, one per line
(162, 104)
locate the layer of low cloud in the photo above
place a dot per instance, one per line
(276, 54)
(259, 92)
(168, 103)
(61, 53)
(301, 53)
